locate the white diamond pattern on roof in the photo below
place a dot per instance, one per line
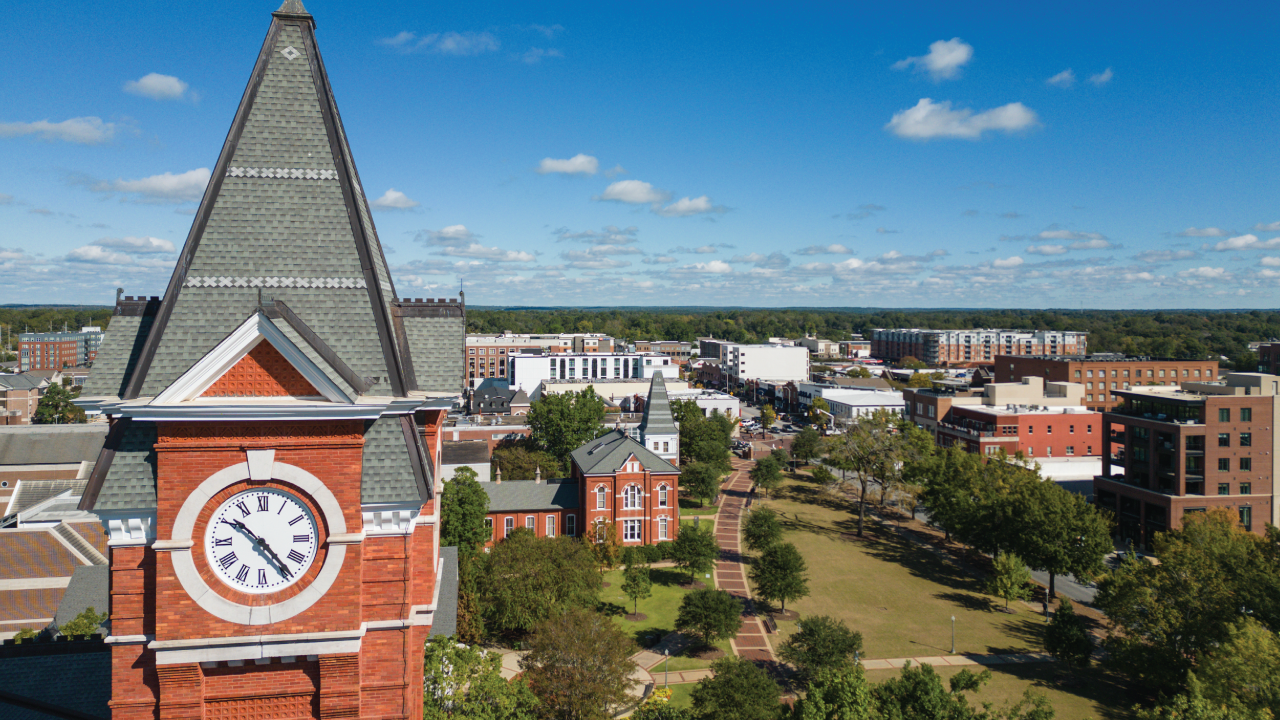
(282, 173)
(222, 281)
(290, 54)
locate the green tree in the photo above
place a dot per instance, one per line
(56, 407)
(821, 643)
(463, 508)
(695, 550)
(1009, 578)
(824, 477)
(26, 633)
(874, 448)
(767, 474)
(762, 529)
(860, 372)
(579, 665)
(709, 615)
(83, 625)
(1193, 705)
(779, 574)
(662, 711)
(701, 480)
(466, 683)
(608, 544)
(918, 694)
(706, 439)
(911, 363)
(1241, 673)
(739, 689)
(527, 579)
(767, 417)
(922, 380)
(819, 412)
(636, 584)
(1067, 638)
(519, 461)
(840, 693)
(805, 446)
(560, 423)
(1056, 531)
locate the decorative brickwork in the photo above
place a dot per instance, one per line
(262, 373)
(208, 435)
(278, 707)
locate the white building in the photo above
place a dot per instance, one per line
(708, 400)
(619, 391)
(820, 347)
(765, 362)
(526, 372)
(848, 404)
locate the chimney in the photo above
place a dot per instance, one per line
(498, 479)
(537, 474)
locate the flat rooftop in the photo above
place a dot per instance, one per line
(1104, 357)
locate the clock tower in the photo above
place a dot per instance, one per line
(267, 482)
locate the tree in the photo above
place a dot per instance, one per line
(767, 474)
(767, 417)
(1057, 531)
(26, 633)
(702, 480)
(911, 363)
(922, 379)
(695, 550)
(821, 643)
(873, 447)
(56, 407)
(762, 529)
(466, 683)
(1009, 578)
(652, 710)
(842, 693)
(579, 665)
(519, 461)
(820, 412)
(560, 423)
(636, 584)
(824, 477)
(702, 438)
(1193, 705)
(463, 508)
(709, 615)
(918, 694)
(83, 625)
(779, 574)
(739, 689)
(805, 445)
(608, 544)
(527, 579)
(1066, 638)
(781, 457)
(1241, 673)
(859, 372)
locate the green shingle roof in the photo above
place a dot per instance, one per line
(658, 419)
(388, 474)
(518, 495)
(129, 481)
(606, 454)
(117, 356)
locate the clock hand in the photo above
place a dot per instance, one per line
(262, 544)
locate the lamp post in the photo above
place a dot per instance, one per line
(666, 668)
(953, 634)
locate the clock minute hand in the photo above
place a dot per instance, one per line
(262, 544)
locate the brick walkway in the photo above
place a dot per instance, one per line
(731, 573)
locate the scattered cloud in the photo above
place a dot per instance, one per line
(703, 250)
(579, 164)
(659, 260)
(1160, 256)
(166, 187)
(143, 245)
(451, 236)
(41, 211)
(1202, 232)
(1046, 250)
(476, 250)
(1270, 261)
(1102, 78)
(715, 267)
(833, 249)
(929, 120)
(549, 30)
(884, 231)
(864, 211)
(635, 192)
(449, 43)
(609, 235)
(1242, 242)
(615, 171)
(1267, 227)
(83, 130)
(598, 263)
(6, 199)
(1005, 263)
(685, 207)
(534, 55)
(393, 199)
(1064, 79)
(943, 61)
(598, 251)
(1205, 273)
(1092, 244)
(772, 261)
(157, 87)
(98, 255)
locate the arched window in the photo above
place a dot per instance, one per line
(631, 498)
(662, 495)
(601, 494)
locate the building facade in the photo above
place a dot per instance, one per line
(1104, 374)
(765, 362)
(527, 371)
(1188, 449)
(671, 348)
(58, 350)
(940, 348)
(487, 354)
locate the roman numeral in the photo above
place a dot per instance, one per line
(296, 556)
(262, 503)
(262, 577)
(242, 574)
(301, 538)
(296, 520)
(226, 561)
(222, 542)
(244, 509)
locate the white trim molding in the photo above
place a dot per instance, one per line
(128, 528)
(389, 518)
(255, 647)
(185, 568)
(40, 583)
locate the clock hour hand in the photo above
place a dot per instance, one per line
(262, 544)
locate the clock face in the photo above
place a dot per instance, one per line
(261, 541)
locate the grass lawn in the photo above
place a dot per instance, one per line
(692, 506)
(660, 607)
(682, 695)
(1080, 694)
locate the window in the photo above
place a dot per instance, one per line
(1224, 439)
(1246, 463)
(508, 525)
(1246, 439)
(1071, 449)
(1048, 430)
(631, 498)
(1113, 374)
(655, 445)
(665, 447)
(601, 493)
(1224, 464)
(1246, 488)
(529, 521)
(488, 525)
(1088, 429)
(1089, 397)
(1031, 430)
(1126, 373)
(1161, 373)
(1088, 373)
(472, 351)
(1224, 488)
(1186, 373)
(570, 525)
(1077, 373)
(1246, 518)
(551, 526)
(1224, 414)
(1246, 414)
(1071, 429)
(662, 528)
(1113, 386)
(630, 530)
(662, 496)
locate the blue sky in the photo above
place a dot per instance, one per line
(1102, 155)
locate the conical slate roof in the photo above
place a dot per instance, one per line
(283, 220)
(658, 419)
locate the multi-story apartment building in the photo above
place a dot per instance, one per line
(487, 354)
(1103, 374)
(57, 350)
(526, 371)
(671, 348)
(1178, 450)
(1268, 358)
(710, 348)
(764, 362)
(940, 348)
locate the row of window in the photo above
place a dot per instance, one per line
(1224, 464)
(1138, 373)
(632, 497)
(1071, 450)
(531, 522)
(1224, 439)
(1225, 488)
(1071, 430)
(1246, 414)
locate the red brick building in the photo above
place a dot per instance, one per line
(58, 350)
(268, 482)
(1104, 374)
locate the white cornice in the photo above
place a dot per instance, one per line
(254, 409)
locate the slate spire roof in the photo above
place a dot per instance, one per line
(284, 218)
(658, 419)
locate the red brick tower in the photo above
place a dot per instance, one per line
(271, 505)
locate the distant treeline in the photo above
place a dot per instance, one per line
(18, 320)
(1176, 334)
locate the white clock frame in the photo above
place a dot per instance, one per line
(184, 525)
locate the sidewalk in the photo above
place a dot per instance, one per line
(731, 573)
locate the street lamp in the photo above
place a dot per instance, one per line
(666, 668)
(953, 634)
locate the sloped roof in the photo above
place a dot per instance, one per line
(125, 476)
(445, 621)
(606, 454)
(464, 452)
(118, 354)
(658, 419)
(24, 381)
(57, 686)
(34, 553)
(437, 345)
(391, 473)
(516, 495)
(88, 589)
(50, 444)
(30, 493)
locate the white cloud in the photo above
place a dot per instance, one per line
(772, 261)
(453, 236)
(635, 192)
(886, 231)
(1165, 255)
(833, 249)
(1092, 244)
(166, 187)
(944, 60)
(659, 260)
(1267, 227)
(157, 87)
(600, 251)
(449, 43)
(615, 171)
(928, 120)
(1012, 262)
(609, 235)
(1139, 277)
(84, 130)
(1205, 273)
(1064, 79)
(1202, 232)
(549, 30)
(577, 165)
(476, 250)
(138, 244)
(1046, 250)
(1243, 242)
(715, 267)
(685, 207)
(393, 199)
(599, 263)
(98, 255)
(1270, 261)
(534, 55)
(1102, 78)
